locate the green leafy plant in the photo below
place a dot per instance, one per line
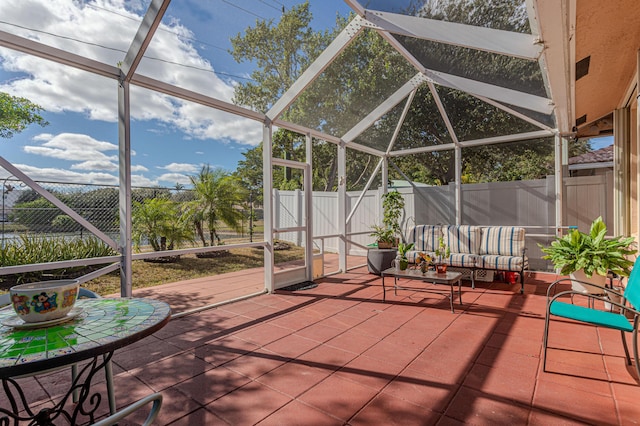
(443, 250)
(591, 252)
(158, 222)
(403, 248)
(29, 249)
(382, 234)
(392, 206)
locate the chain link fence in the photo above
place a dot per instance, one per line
(27, 213)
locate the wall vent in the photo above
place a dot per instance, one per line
(582, 67)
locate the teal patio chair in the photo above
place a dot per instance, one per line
(629, 304)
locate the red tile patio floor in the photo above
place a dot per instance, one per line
(336, 354)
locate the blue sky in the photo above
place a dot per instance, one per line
(171, 139)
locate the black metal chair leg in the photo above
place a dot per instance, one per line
(545, 340)
(626, 349)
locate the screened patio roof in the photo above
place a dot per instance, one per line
(520, 54)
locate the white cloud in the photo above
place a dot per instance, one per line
(96, 165)
(173, 178)
(139, 168)
(59, 175)
(143, 181)
(73, 147)
(58, 88)
(181, 167)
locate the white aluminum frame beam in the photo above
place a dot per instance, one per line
(519, 45)
(308, 205)
(124, 188)
(56, 202)
(555, 23)
(316, 68)
(508, 138)
(267, 195)
(387, 105)
(515, 113)
(476, 142)
(34, 48)
(432, 148)
(443, 112)
(366, 149)
(364, 190)
(342, 207)
(473, 87)
(143, 37)
(403, 117)
(502, 94)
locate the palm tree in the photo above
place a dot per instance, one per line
(217, 195)
(160, 222)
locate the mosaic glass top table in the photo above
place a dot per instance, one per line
(97, 328)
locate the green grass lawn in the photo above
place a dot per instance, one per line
(148, 274)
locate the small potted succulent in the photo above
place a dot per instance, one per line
(441, 252)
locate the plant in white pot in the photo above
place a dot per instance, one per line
(590, 257)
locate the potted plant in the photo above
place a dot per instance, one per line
(384, 236)
(441, 252)
(423, 261)
(403, 248)
(590, 257)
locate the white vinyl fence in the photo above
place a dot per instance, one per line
(530, 204)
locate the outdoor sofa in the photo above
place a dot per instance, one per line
(476, 248)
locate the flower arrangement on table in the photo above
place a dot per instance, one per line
(423, 260)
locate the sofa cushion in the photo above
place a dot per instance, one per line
(502, 263)
(461, 260)
(502, 240)
(425, 237)
(462, 238)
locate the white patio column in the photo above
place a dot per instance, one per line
(308, 208)
(621, 171)
(458, 166)
(267, 193)
(124, 189)
(342, 206)
(561, 160)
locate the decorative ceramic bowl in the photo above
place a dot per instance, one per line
(44, 300)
